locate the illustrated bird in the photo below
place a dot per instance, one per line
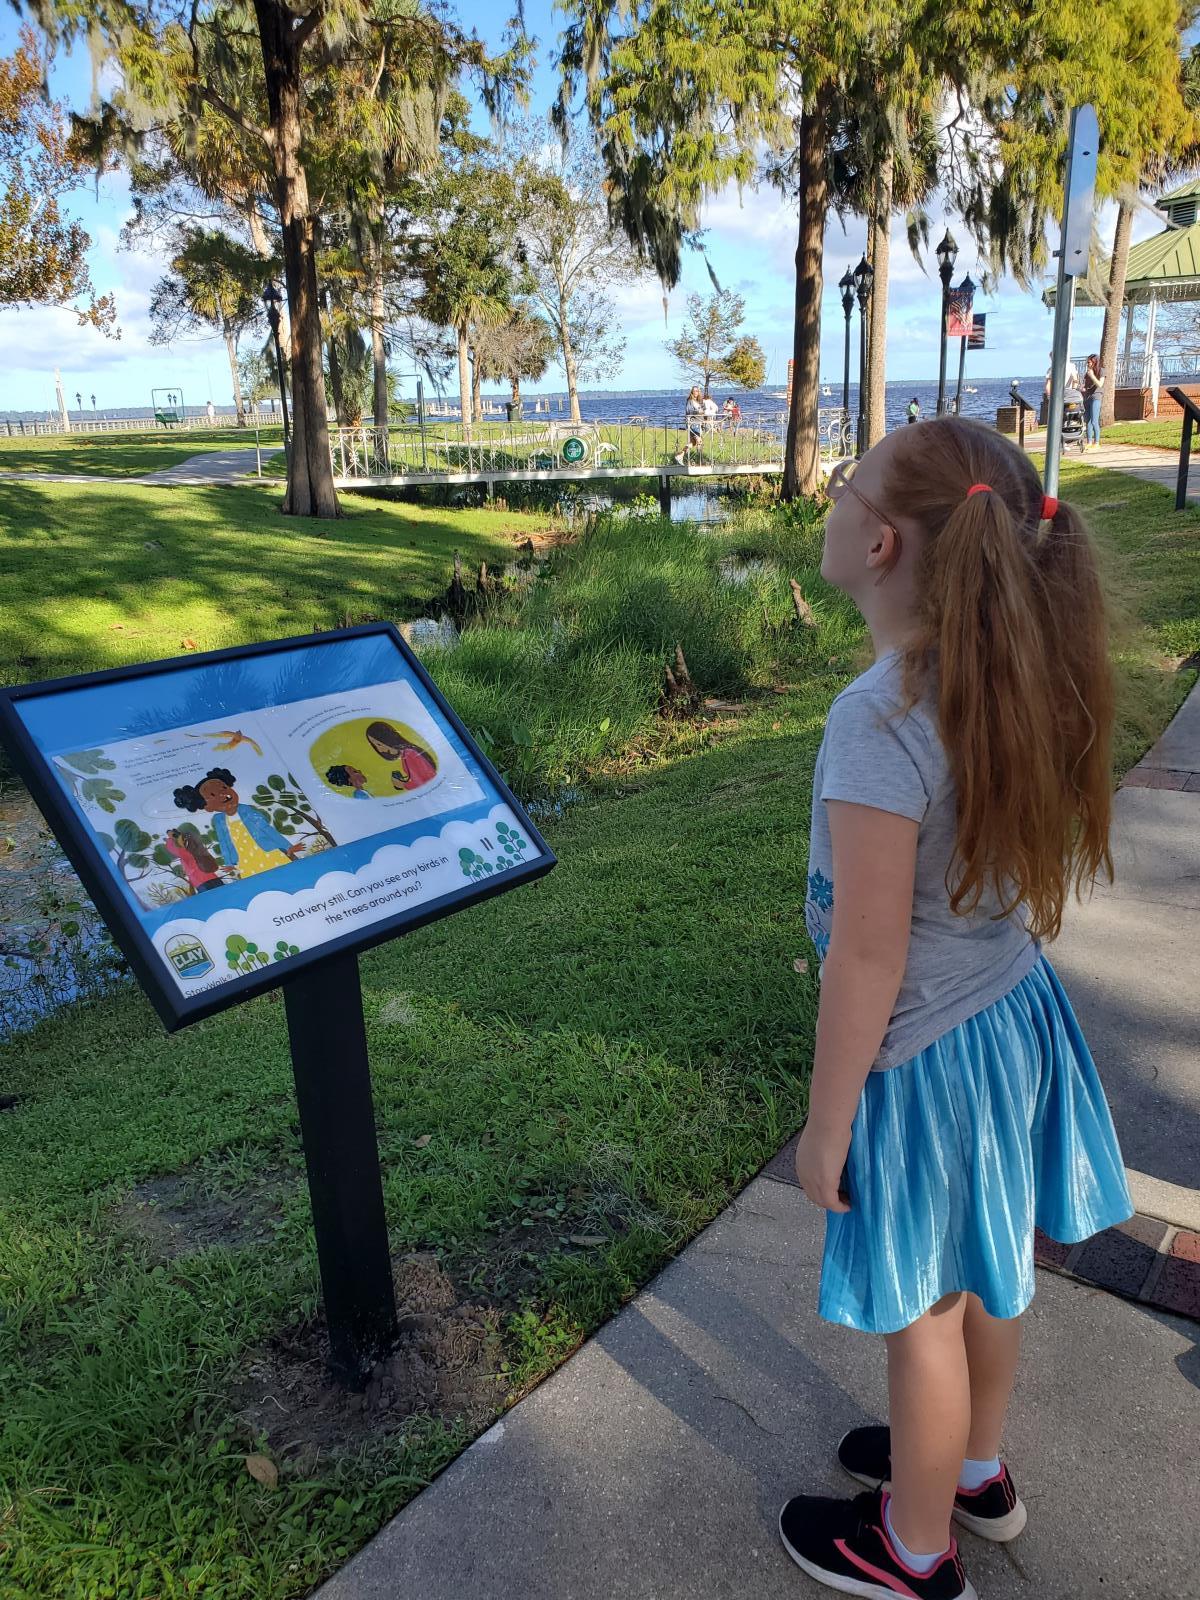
(228, 739)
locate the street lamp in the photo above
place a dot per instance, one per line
(863, 278)
(846, 285)
(272, 299)
(967, 290)
(947, 254)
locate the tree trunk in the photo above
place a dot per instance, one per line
(880, 237)
(476, 387)
(464, 381)
(1112, 311)
(310, 491)
(231, 346)
(257, 230)
(801, 462)
(335, 367)
(515, 382)
(569, 368)
(378, 322)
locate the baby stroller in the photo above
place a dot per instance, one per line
(1072, 421)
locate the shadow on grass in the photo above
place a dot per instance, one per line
(95, 577)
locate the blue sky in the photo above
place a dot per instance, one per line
(750, 240)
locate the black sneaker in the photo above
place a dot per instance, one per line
(993, 1511)
(844, 1545)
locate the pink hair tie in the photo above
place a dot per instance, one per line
(979, 488)
(1049, 508)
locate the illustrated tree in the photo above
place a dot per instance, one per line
(683, 97)
(243, 955)
(290, 810)
(215, 284)
(261, 68)
(133, 849)
(710, 347)
(84, 772)
(566, 241)
(43, 254)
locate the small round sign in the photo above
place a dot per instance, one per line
(574, 450)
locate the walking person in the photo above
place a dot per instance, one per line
(1093, 386)
(914, 410)
(693, 413)
(963, 788)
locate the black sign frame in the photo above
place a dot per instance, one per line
(88, 859)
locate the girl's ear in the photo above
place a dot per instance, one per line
(884, 549)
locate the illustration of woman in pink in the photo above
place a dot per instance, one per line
(199, 868)
(414, 765)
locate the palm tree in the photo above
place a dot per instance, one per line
(519, 347)
(215, 283)
(884, 160)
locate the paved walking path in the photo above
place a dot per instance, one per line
(652, 1465)
(1137, 460)
(214, 466)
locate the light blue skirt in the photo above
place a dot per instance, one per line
(999, 1125)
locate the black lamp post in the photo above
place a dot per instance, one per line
(863, 277)
(947, 254)
(846, 285)
(967, 289)
(272, 299)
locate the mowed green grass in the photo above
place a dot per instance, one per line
(1151, 558)
(124, 455)
(607, 1055)
(98, 575)
(1165, 434)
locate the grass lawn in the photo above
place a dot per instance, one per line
(569, 1081)
(94, 576)
(1165, 434)
(122, 455)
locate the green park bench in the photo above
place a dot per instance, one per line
(169, 419)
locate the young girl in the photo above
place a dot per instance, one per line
(962, 789)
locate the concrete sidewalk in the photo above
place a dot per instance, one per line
(1130, 958)
(653, 1464)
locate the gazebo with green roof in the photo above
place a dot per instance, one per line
(1164, 268)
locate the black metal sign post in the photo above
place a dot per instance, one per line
(337, 1123)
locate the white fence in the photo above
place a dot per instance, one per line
(14, 428)
(619, 446)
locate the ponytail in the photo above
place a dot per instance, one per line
(1013, 648)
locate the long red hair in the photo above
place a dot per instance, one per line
(1013, 650)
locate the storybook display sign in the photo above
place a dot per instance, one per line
(254, 818)
(237, 814)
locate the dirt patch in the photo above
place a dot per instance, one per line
(447, 1363)
(174, 1217)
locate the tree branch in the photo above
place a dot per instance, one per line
(309, 25)
(231, 114)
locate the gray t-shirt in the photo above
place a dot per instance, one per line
(875, 753)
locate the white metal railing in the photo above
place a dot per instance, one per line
(1173, 367)
(538, 445)
(17, 427)
(500, 449)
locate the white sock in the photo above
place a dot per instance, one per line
(918, 1563)
(975, 1474)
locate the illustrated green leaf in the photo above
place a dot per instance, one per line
(276, 782)
(130, 837)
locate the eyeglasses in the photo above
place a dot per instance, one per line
(841, 481)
